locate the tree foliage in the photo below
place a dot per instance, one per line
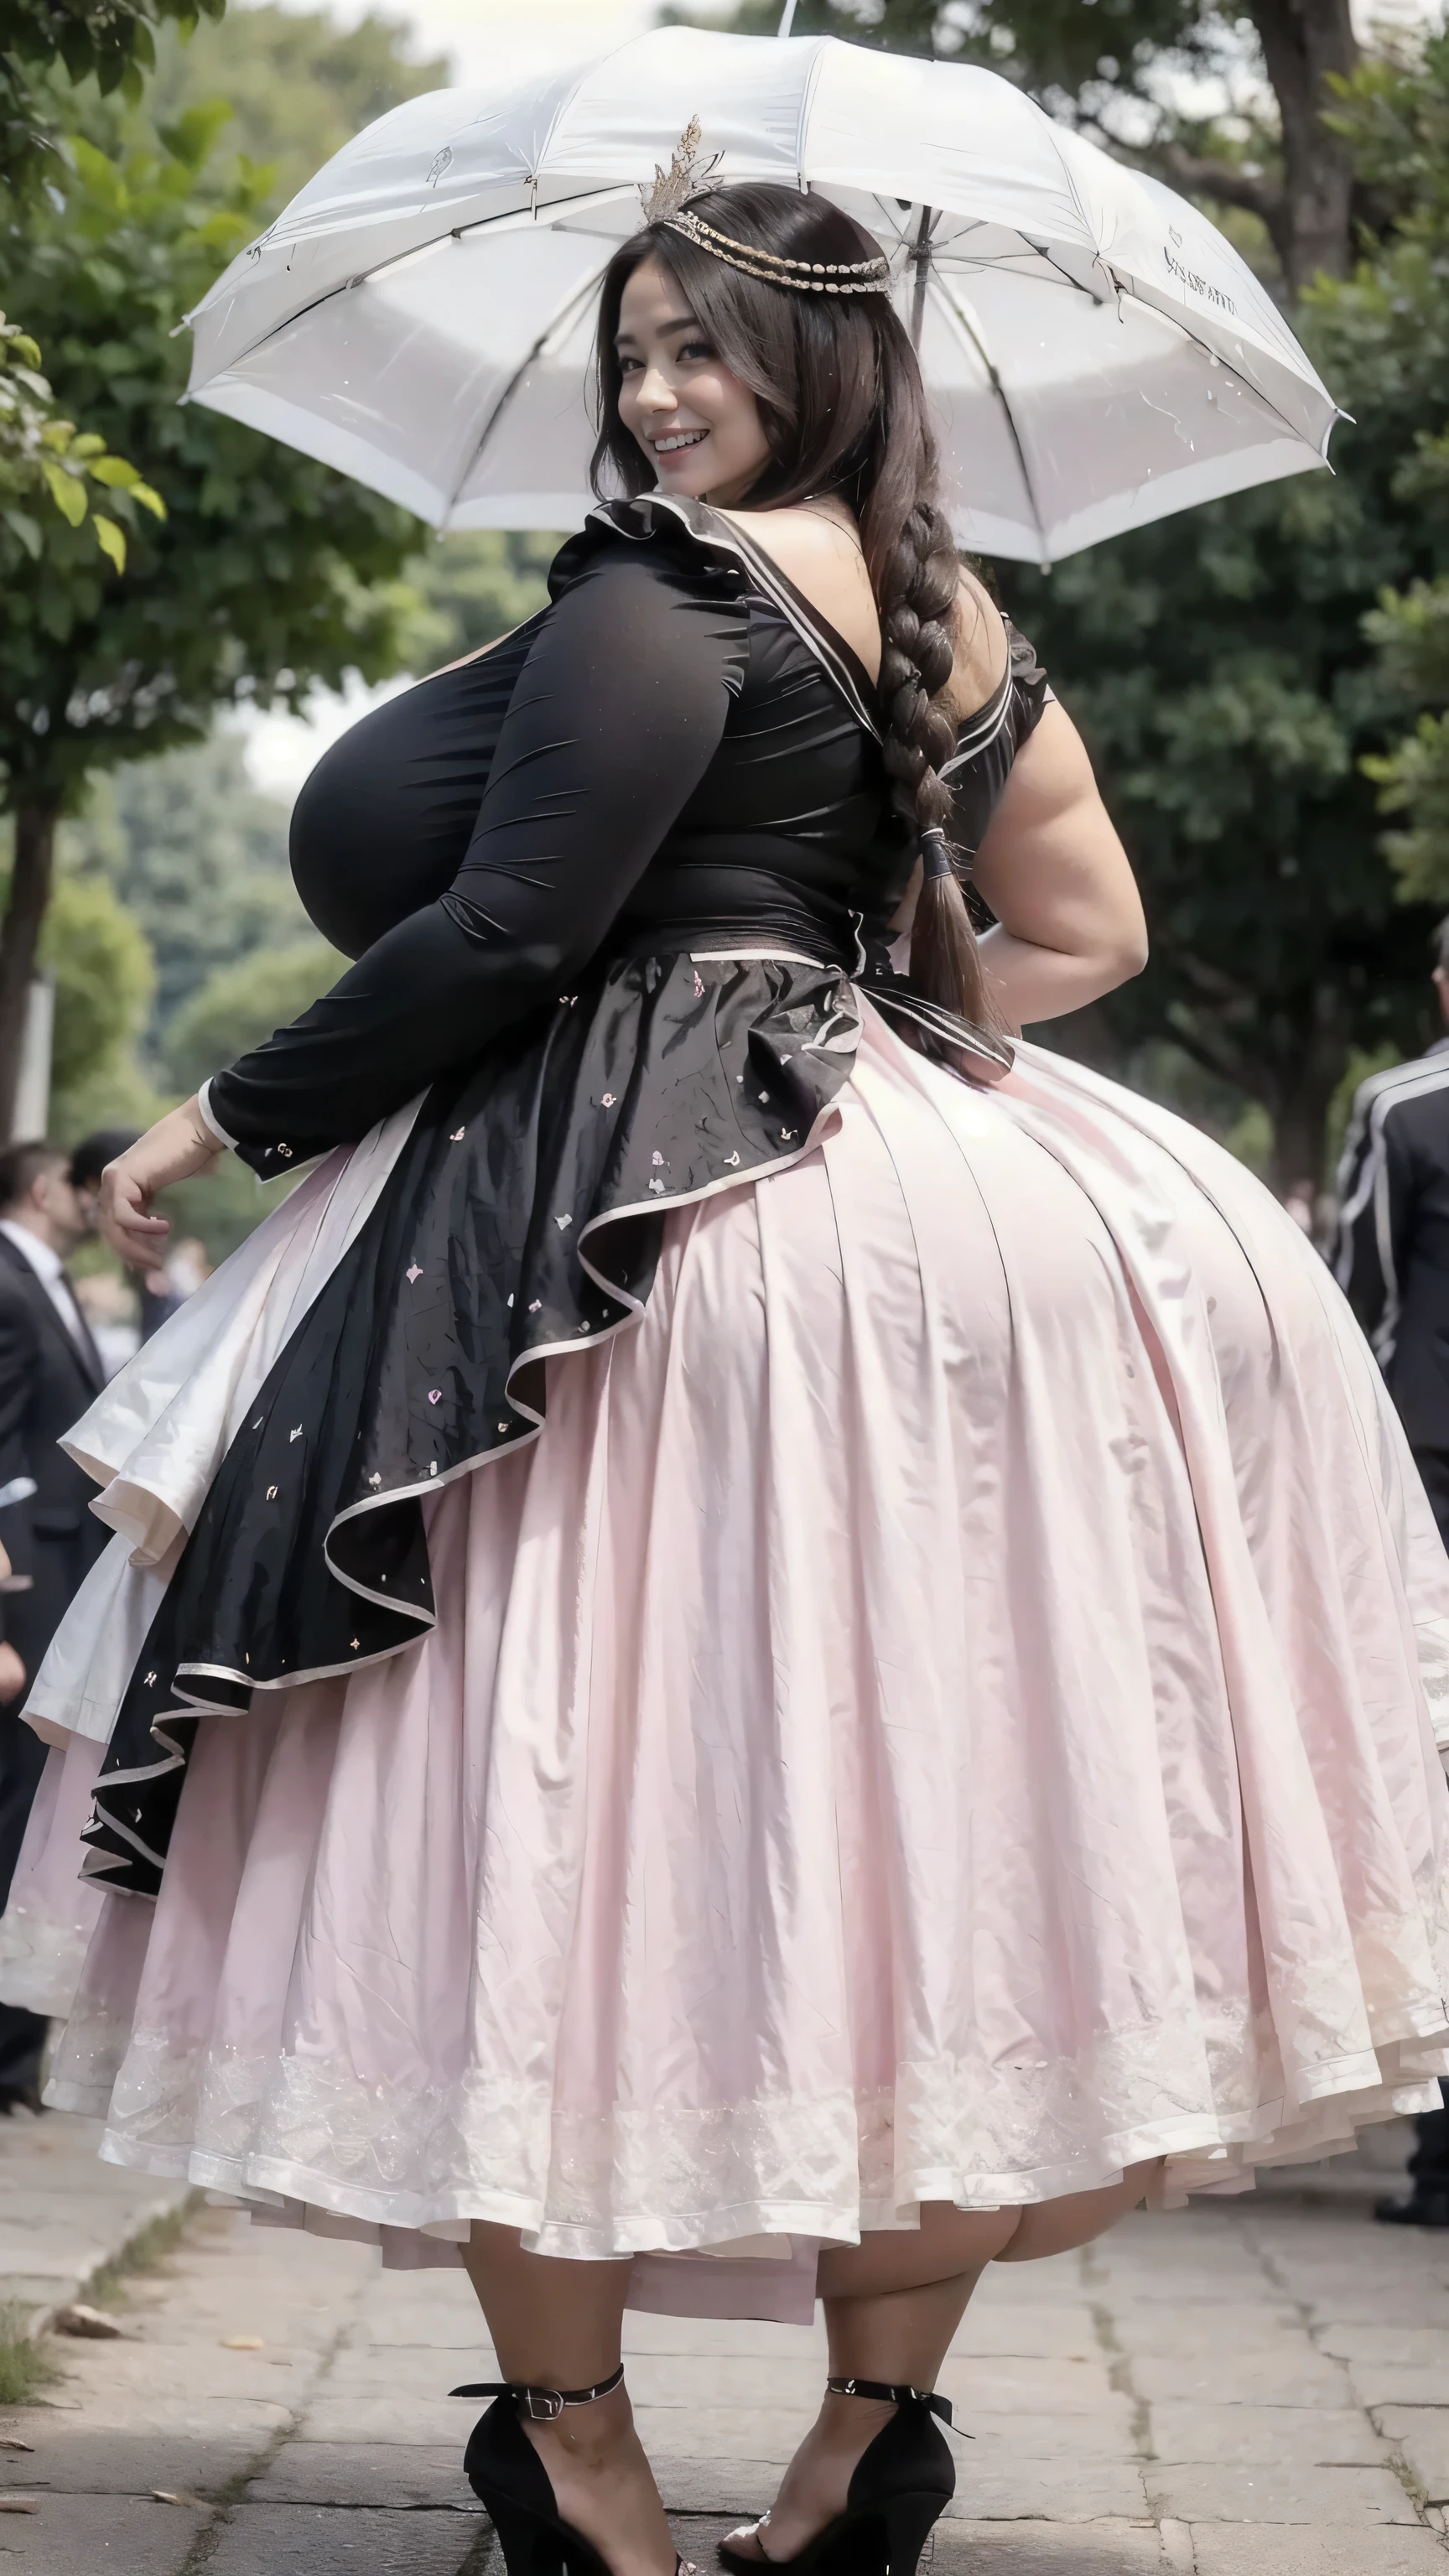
(199, 859)
(298, 85)
(48, 466)
(267, 573)
(261, 578)
(1396, 115)
(1135, 74)
(240, 1005)
(109, 41)
(99, 958)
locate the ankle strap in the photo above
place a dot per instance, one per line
(886, 2394)
(545, 2405)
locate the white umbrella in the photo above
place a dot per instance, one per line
(421, 316)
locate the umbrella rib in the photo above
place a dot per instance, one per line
(971, 333)
(363, 276)
(564, 314)
(1196, 341)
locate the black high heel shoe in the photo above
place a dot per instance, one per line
(900, 2486)
(508, 2477)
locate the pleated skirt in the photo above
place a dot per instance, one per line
(945, 1710)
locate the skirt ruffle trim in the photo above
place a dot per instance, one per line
(1214, 2101)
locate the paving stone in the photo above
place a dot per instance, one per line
(1052, 2490)
(1353, 2498)
(310, 2540)
(1046, 2549)
(737, 2488)
(1379, 2383)
(1232, 2549)
(1031, 2333)
(1215, 2333)
(1422, 2434)
(1030, 2435)
(1403, 2346)
(346, 2473)
(724, 2432)
(418, 2421)
(89, 2460)
(726, 2379)
(1252, 2378)
(1000, 2387)
(74, 2535)
(1310, 2435)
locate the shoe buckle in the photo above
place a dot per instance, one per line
(543, 2405)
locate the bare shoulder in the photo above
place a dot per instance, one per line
(821, 555)
(982, 652)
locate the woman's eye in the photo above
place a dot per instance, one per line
(627, 366)
(696, 349)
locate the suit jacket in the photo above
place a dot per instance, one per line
(47, 1380)
(1393, 1238)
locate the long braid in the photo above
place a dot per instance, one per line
(844, 411)
(916, 592)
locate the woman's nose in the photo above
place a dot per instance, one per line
(656, 393)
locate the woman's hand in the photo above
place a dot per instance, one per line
(178, 1146)
(12, 1674)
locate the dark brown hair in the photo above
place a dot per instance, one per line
(21, 1166)
(844, 411)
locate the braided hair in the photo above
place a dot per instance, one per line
(843, 411)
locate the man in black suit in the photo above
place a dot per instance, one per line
(50, 1372)
(1392, 1260)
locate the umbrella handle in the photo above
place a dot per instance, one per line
(787, 19)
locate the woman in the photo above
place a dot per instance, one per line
(903, 1717)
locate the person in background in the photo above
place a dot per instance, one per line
(50, 1372)
(1392, 1262)
(159, 1296)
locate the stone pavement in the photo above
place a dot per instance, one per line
(1255, 2386)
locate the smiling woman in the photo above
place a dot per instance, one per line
(763, 1645)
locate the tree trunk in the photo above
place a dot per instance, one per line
(30, 884)
(1299, 1105)
(1303, 41)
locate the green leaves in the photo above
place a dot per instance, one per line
(206, 565)
(42, 455)
(110, 41)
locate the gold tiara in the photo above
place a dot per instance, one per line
(805, 276)
(684, 178)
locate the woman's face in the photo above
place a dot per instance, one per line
(697, 424)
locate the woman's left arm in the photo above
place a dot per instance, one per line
(1069, 918)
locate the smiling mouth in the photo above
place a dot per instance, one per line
(677, 439)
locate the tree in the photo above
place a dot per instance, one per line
(1396, 115)
(470, 589)
(199, 859)
(269, 571)
(1123, 69)
(48, 465)
(240, 1005)
(298, 85)
(109, 41)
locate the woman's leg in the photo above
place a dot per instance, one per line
(892, 2305)
(557, 2325)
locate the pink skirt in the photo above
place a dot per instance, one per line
(942, 1713)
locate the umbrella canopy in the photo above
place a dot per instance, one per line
(422, 314)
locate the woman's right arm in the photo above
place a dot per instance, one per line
(616, 714)
(1069, 919)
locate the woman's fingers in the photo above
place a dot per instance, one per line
(127, 1227)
